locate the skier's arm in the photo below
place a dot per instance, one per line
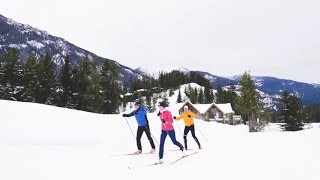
(130, 114)
(178, 118)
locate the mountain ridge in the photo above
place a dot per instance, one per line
(270, 87)
(28, 39)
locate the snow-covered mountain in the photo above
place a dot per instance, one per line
(316, 85)
(216, 81)
(268, 101)
(28, 39)
(269, 88)
(154, 71)
(274, 87)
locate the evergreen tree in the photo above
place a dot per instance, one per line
(65, 84)
(149, 105)
(148, 100)
(227, 96)
(200, 97)
(284, 103)
(233, 98)
(291, 112)
(76, 101)
(196, 94)
(176, 78)
(212, 97)
(2, 84)
(186, 92)
(193, 95)
(208, 98)
(80, 83)
(171, 92)
(111, 88)
(199, 79)
(30, 79)
(46, 80)
(314, 113)
(219, 95)
(13, 76)
(179, 99)
(94, 93)
(248, 103)
(87, 86)
(124, 98)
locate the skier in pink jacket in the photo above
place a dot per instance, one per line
(167, 129)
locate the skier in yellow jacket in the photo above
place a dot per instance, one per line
(188, 116)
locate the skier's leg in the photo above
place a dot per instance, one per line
(172, 135)
(148, 133)
(139, 134)
(194, 135)
(185, 133)
(162, 140)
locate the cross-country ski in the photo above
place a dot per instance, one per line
(183, 157)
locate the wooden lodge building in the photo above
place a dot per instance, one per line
(222, 113)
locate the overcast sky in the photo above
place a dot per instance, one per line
(279, 38)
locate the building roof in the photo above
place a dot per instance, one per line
(191, 106)
(225, 108)
(203, 108)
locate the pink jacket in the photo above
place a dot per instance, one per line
(167, 116)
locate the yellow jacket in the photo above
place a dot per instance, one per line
(188, 121)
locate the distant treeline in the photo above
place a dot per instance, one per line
(85, 86)
(171, 80)
(89, 87)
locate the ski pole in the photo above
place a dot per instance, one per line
(179, 128)
(200, 132)
(130, 128)
(153, 136)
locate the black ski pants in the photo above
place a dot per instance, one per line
(185, 133)
(140, 131)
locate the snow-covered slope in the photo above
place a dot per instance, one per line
(43, 142)
(268, 101)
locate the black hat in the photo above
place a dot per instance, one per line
(137, 103)
(163, 104)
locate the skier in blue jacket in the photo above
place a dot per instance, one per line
(140, 114)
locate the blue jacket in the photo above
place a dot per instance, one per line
(140, 115)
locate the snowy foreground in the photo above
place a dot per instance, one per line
(39, 142)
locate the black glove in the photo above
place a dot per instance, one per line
(163, 121)
(189, 116)
(174, 117)
(124, 115)
(158, 113)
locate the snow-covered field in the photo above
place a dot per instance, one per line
(39, 142)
